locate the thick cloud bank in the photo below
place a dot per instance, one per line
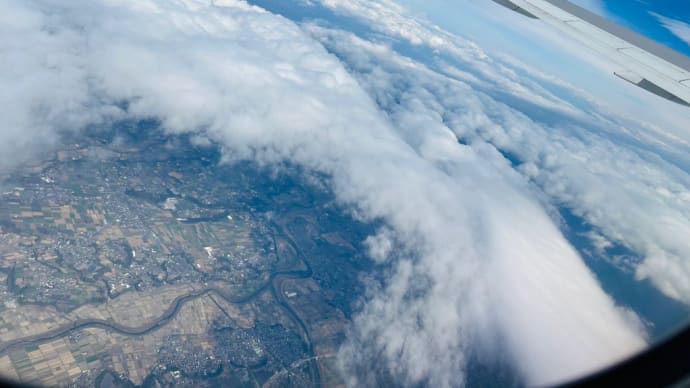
(627, 178)
(478, 266)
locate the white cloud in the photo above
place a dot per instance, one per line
(45, 88)
(479, 266)
(509, 38)
(678, 28)
(626, 176)
(522, 250)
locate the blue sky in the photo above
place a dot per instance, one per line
(666, 21)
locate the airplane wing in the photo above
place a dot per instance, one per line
(642, 62)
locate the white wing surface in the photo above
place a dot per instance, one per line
(642, 62)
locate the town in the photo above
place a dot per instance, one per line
(125, 260)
